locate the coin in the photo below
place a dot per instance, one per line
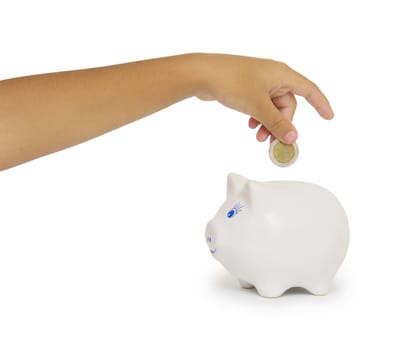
(283, 154)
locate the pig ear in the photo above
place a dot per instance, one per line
(250, 191)
(235, 183)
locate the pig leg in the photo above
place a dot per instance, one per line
(245, 284)
(319, 288)
(270, 291)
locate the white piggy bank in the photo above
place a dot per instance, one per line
(277, 235)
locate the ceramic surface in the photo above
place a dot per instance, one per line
(278, 235)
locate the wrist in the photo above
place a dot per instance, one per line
(197, 71)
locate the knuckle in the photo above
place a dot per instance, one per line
(279, 65)
(314, 87)
(313, 90)
(284, 67)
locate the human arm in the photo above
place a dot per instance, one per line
(45, 113)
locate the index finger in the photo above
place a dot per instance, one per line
(300, 85)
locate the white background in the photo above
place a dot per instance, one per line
(102, 245)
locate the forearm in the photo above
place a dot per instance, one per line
(45, 113)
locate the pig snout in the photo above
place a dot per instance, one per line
(210, 238)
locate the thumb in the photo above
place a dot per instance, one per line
(277, 124)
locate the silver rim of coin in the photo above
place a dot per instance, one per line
(275, 161)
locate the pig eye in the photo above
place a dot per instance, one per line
(231, 213)
(237, 208)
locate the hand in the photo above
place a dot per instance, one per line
(261, 88)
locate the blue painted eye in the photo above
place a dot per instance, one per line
(237, 208)
(232, 213)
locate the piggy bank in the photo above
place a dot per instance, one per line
(277, 235)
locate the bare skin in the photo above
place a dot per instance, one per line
(45, 113)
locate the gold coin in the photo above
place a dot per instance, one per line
(283, 154)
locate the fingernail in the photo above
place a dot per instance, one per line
(290, 137)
